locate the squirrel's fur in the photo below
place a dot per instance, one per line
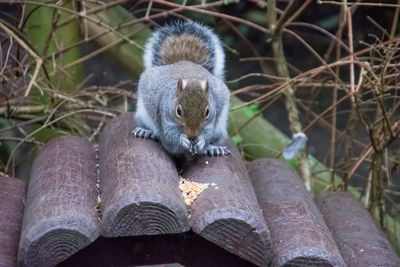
(178, 60)
(185, 40)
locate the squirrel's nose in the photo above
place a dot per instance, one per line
(192, 137)
(191, 134)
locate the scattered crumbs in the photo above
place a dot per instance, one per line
(99, 197)
(216, 188)
(188, 211)
(191, 190)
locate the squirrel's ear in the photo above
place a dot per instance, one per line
(204, 86)
(181, 84)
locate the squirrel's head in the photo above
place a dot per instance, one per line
(192, 107)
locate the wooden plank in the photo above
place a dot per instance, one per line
(139, 182)
(228, 216)
(299, 234)
(60, 216)
(12, 199)
(187, 249)
(360, 240)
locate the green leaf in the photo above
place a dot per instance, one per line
(251, 110)
(294, 163)
(237, 139)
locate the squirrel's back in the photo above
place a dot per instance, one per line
(185, 41)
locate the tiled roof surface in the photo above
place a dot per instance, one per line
(261, 213)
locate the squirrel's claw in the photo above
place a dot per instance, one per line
(143, 133)
(213, 150)
(185, 142)
(198, 145)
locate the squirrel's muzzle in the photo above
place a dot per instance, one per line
(191, 134)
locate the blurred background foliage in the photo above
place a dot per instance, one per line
(326, 68)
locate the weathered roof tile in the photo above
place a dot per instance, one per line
(60, 216)
(230, 216)
(12, 202)
(299, 234)
(141, 196)
(359, 239)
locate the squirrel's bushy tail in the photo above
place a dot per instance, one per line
(185, 40)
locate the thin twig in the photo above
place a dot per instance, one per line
(360, 4)
(395, 21)
(37, 58)
(295, 15)
(290, 102)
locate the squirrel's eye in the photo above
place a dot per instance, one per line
(178, 111)
(207, 112)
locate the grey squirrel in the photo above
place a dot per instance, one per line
(182, 100)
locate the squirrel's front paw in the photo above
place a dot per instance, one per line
(185, 142)
(213, 150)
(143, 133)
(198, 145)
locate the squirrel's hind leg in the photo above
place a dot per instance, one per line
(213, 150)
(143, 133)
